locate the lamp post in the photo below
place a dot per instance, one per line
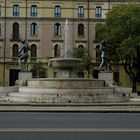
(26, 8)
(88, 28)
(109, 5)
(4, 47)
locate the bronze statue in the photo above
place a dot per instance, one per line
(104, 56)
(23, 55)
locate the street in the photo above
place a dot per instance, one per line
(69, 126)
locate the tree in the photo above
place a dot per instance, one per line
(82, 53)
(39, 71)
(122, 32)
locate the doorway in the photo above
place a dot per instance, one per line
(13, 76)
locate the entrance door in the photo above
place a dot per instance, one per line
(13, 76)
(95, 74)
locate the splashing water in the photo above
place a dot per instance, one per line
(66, 44)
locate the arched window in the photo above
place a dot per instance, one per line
(98, 53)
(80, 46)
(57, 29)
(15, 51)
(33, 52)
(33, 29)
(80, 29)
(16, 31)
(57, 50)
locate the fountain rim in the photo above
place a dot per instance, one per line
(65, 79)
(65, 59)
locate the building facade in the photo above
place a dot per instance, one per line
(42, 23)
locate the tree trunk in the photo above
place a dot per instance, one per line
(129, 71)
(134, 85)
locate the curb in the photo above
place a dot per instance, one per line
(73, 111)
(126, 107)
(82, 109)
(132, 103)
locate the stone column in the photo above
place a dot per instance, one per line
(23, 77)
(107, 76)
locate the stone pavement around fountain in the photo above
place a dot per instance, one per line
(86, 93)
(65, 91)
(133, 105)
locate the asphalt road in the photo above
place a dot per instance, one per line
(69, 126)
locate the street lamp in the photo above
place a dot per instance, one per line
(4, 47)
(26, 7)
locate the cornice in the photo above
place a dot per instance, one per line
(77, 0)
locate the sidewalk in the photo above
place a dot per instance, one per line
(126, 107)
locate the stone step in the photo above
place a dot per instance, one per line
(59, 91)
(60, 95)
(66, 98)
(65, 101)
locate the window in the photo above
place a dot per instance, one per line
(33, 52)
(33, 10)
(56, 50)
(14, 51)
(80, 46)
(81, 11)
(33, 29)
(81, 29)
(57, 29)
(16, 31)
(15, 10)
(95, 74)
(98, 54)
(98, 12)
(116, 76)
(57, 11)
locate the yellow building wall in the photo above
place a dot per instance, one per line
(45, 20)
(124, 77)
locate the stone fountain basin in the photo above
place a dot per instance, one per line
(65, 83)
(64, 63)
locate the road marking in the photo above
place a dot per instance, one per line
(69, 129)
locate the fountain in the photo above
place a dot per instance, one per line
(64, 67)
(64, 87)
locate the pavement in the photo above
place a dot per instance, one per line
(132, 106)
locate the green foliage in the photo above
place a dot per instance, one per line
(82, 53)
(122, 32)
(39, 71)
(100, 32)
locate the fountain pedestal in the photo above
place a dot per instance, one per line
(107, 76)
(64, 67)
(23, 77)
(63, 74)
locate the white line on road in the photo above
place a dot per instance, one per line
(69, 129)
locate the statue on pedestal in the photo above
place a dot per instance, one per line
(23, 55)
(104, 56)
